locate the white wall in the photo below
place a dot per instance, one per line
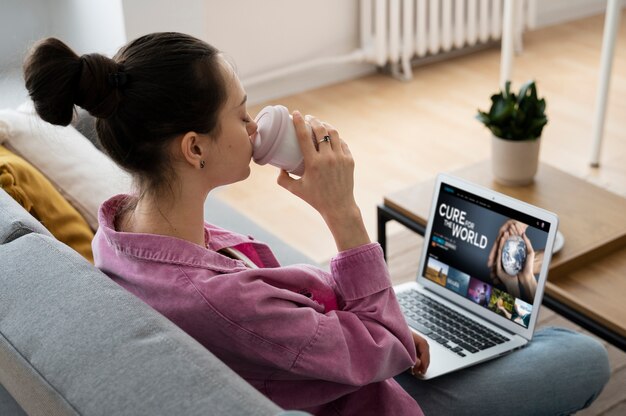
(258, 35)
(85, 25)
(147, 16)
(261, 35)
(22, 22)
(552, 12)
(265, 35)
(89, 26)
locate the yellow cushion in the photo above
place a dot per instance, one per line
(35, 193)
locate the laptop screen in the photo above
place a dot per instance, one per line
(486, 252)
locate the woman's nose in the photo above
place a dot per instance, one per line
(252, 127)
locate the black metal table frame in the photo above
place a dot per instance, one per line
(386, 214)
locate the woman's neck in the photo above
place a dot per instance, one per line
(179, 217)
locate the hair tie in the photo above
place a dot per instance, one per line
(117, 79)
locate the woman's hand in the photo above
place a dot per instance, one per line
(423, 355)
(510, 282)
(526, 275)
(328, 181)
(512, 227)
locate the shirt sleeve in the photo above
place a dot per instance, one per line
(367, 339)
(364, 341)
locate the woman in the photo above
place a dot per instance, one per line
(171, 111)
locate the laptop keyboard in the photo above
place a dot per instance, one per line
(446, 326)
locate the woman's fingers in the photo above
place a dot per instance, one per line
(423, 354)
(325, 135)
(285, 180)
(491, 259)
(324, 140)
(530, 256)
(334, 139)
(529, 246)
(345, 148)
(303, 133)
(498, 261)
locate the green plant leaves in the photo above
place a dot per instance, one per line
(516, 117)
(523, 91)
(501, 109)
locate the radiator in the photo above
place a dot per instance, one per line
(397, 32)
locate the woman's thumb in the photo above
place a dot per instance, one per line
(285, 180)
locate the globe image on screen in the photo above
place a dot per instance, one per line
(513, 255)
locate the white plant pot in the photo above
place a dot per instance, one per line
(514, 162)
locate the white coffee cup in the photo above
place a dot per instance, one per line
(276, 142)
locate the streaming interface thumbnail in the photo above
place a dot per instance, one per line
(486, 252)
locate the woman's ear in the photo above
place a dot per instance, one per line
(192, 149)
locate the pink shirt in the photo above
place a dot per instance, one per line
(308, 340)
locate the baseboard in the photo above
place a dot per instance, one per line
(306, 80)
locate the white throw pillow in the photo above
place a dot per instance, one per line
(85, 176)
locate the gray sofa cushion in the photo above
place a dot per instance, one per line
(15, 221)
(74, 342)
(86, 125)
(8, 405)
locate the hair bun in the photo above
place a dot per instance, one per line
(57, 79)
(99, 85)
(118, 79)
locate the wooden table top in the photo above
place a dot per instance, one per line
(589, 273)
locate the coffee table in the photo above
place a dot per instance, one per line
(587, 278)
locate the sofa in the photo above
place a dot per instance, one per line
(74, 342)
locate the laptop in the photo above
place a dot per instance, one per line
(482, 274)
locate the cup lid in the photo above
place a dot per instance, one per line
(270, 121)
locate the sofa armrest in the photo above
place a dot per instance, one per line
(74, 342)
(15, 221)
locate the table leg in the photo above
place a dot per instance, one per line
(611, 24)
(507, 42)
(386, 214)
(381, 222)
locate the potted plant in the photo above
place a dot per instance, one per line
(516, 123)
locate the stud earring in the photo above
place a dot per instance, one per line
(202, 164)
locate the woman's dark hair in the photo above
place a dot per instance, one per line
(155, 88)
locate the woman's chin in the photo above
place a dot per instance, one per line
(246, 173)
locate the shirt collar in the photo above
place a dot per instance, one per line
(169, 249)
